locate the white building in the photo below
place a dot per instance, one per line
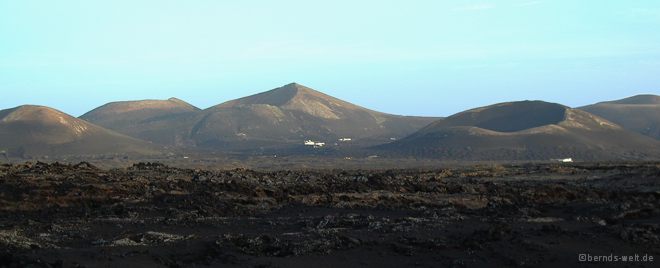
(315, 144)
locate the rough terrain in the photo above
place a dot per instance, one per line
(151, 215)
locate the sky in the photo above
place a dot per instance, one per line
(432, 58)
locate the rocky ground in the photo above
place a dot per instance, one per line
(151, 215)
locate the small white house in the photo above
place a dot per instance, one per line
(345, 139)
(315, 144)
(564, 160)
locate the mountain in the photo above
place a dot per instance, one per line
(292, 114)
(527, 130)
(37, 130)
(159, 121)
(639, 113)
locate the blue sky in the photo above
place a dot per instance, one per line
(402, 57)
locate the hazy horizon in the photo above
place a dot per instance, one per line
(430, 58)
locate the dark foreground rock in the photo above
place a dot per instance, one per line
(151, 215)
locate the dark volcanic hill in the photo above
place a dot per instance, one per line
(639, 113)
(159, 121)
(527, 130)
(37, 130)
(294, 113)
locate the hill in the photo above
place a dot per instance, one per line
(159, 121)
(527, 130)
(37, 131)
(639, 113)
(294, 113)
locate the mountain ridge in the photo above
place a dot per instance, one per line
(637, 99)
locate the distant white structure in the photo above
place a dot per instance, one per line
(564, 160)
(392, 139)
(345, 139)
(315, 144)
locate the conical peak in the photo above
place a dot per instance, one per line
(293, 89)
(280, 96)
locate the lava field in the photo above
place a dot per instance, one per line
(152, 215)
